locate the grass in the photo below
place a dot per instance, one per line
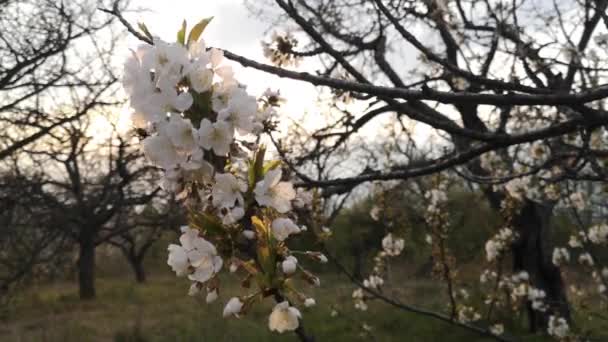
(161, 311)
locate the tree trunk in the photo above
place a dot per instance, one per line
(357, 254)
(86, 265)
(138, 268)
(532, 253)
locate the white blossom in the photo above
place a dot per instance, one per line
(303, 198)
(521, 276)
(537, 297)
(216, 136)
(578, 200)
(283, 227)
(492, 250)
(178, 259)
(598, 234)
(159, 150)
(211, 296)
(374, 213)
(468, 314)
(392, 247)
(574, 242)
(181, 133)
(227, 190)
(249, 234)
(271, 192)
(373, 282)
(560, 255)
(201, 78)
(289, 265)
(231, 215)
(309, 302)
(585, 259)
(284, 318)
(233, 307)
(557, 327)
(200, 255)
(239, 113)
(518, 187)
(497, 329)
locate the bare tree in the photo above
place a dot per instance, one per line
(493, 78)
(29, 249)
(56, 64)
(139, 231)
(485, 75)
(87, 183)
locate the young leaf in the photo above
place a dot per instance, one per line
(261, 229)
(266, 254)
(206, 223)
(181, 34)
(259, 163)
(271, 165)
(256, 167)
(145, 30)
(198, 29)
(251, 175)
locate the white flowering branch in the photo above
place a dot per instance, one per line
(409, 308)
(196, 122)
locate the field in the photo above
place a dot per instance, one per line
(160, 310)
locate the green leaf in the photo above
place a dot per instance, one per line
(145, 30)
(266, 254)
(256, 167)
(271, 165)
(206, 223)
(260, 228)
(259, 162)
(198, 29)
(181, 34)
(251, 175)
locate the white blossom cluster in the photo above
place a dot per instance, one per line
(598, 234)
(497, 329)
(169, 87)
(499, 243)
(198, 123)
(467, 314)
(560, 256)
(195, 257)
(558, 327)
(391, 247)
(436, 198)
(519, 289)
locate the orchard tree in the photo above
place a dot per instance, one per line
(30, 249)
(513, 90)
(55, 66)
(141, 227)
(476, 62)
(88, 181)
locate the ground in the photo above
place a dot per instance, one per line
(160, 310)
